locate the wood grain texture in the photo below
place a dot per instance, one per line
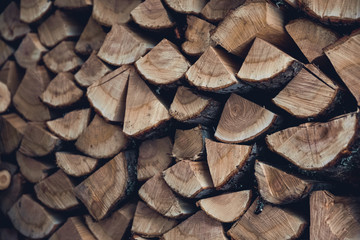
(73, 4)
(32, 10)
(74, 164)
(5, 179)
(9, 196)
(11, 28)
(11, 75)
(186, 6)
(6, 52)
(5, 97)
(216, 10)
(12, 128)
(73, 228)
(91, 38)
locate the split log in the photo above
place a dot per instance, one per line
(10, 75)
(154, 157)
(12, 129)
(57, 192)
(74, 164)
(33, 220)
(243, 121)
(73, 228)
(279, 187)
(168, 205)
(91, 71)
(5, 51)
(33, 10)
(186, 6)
(216, 10)
(73, 4)
(5, 179)
(149, 223)
(11, 27)
(9, 234)
(70, 126)
(5, 97)
(197, 36)
(9, 196)
(101, 139)
(62, 58)
(189, 179)
(198, 226)
(114, 226)
(138, 237)
(110, 184)
(227, 207)
(123, 46)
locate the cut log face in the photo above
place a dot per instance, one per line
(101, 139)
(74, 164)
(9, 196)
(56, 192)
(6, 51)
(333, 217)
(123, 46)
(111, 12)
(216, 10)
(5, 97)
(242, 121)
(318, 145)
(12, 129)
(158, 195)
(107, 186)
(33, 10)
(279, 187)
(272, 223)
(30, 51)
(197, 36)
(108, 94)
(5, 179)
(154, 157)
(58, 27)
(10, 75)
(227, 207)
(149, 223)
(186, 6)
(310, 37)
(33, 220)
(344, 57)
(198, 226)
(73, 228)
(73, 4)
(70, 126)
(11, 27)
(62, 58)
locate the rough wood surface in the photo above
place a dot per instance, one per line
(5, 97)
(10, 75)
(11, 27)
(6, 51)
(33, 10)
(73, 4)
(74, 228)
(216, 10)
(74, 164)
(186, 6)
(5, 179)
(12, 129)
(9, 196)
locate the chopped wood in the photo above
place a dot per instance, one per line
(33, 220)
(57, 192)
(168, 205)
(292, 3)
(216, 10)
(30, 51)
(227, 207)
(272, 223)
(9, 234)
(91, 71)
(62, 58)
(138, 237)
(10, 167)
(186, 6)
(107, 95)
(59, 26)
(5, 179)
(11, 27)
(243, 121)
(198, 226)
(154, 157)
(279, 187)
(9, 196)
(5, 97)
(74, 228)
(163, 65)
(197, 36)
(101, 139)
(5, 51)
(74, 164)
(73, 4)
(33, 10)
(10, 75)
(12, 129)
(333, 217)
(152, 15)
(110, 184)
(123, 46)
(70, 126)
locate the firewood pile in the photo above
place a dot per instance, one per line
(179, 119)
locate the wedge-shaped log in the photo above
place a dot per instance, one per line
(10, 75)
(12, 129)
(74, 164)
(91, 38)
(216, 10)
(186, 6)
(73, 4)
(9, 196)
(11, 27)
(5, 179)
(5, 97)
(73, 228)
(5, 51)
(33, 10)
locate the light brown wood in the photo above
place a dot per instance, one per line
(33, 10)
(5, 97)
(73, 4)
(33, 220)
(70, 126)
(216, 10)
(74, 164)
(5, 179)
(169, 205)
(10, 75)
(243, 120)
(9, 196)
(198, 226)
(101, 139)
(12, 129)
(6, 51)
(186, 6)
(62, 58)
(227, 207)
(74, 228)
(123, 46)
(11, 27)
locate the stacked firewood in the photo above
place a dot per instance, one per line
(179, 119)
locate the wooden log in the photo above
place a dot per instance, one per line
(10, 167)
(11, 28)
(198, 226)
(333, 217)
(62, 58)
(227, 207)
(243, 121)
(110, 184)
(138, 237)
(154, 157)
(5, 97)
(12, 129)
(33, 10)
(10, 75)
(6, 52)
(30, 51)
(186, 6)
(5, 179)
(71, 4)
(74, 164)
(216, 10)
(9, 196)
(292, 3)
(169, 205)
(149, 223)
(9, 234)
(32, 220)
(197, 36)
(101, 139)
(73, 228)
(279, 187)
(70, 126)
(152, 15)
(123, 46)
